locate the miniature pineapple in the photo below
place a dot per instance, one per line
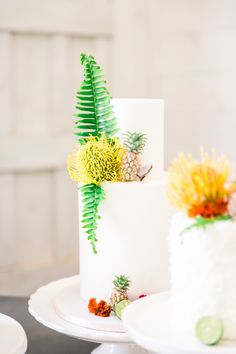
(119, 293)
(134, 144)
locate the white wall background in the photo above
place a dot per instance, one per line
(180, 50)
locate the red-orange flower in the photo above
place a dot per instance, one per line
(101, 308)
(209, 209)
(92, 305)
(201, 187)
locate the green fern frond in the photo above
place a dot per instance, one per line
(95, 118)
(96, 114)
(91, 195)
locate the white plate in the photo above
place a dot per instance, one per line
(41, 306)
(71, 307)
(12, 336)
(147, 321)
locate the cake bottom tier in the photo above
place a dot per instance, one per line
(203, 274)
(132, 236)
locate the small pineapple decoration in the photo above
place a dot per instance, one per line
(119, 293)
(134, 144)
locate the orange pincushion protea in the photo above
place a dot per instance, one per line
(201, 188)
(100, 308)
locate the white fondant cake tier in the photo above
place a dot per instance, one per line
(146, 116)
(132, 241)
(203, 273)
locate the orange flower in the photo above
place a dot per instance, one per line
(209, 209)
(101, 309)
(201, 187)
(92, 305)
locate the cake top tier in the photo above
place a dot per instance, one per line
(147, 116)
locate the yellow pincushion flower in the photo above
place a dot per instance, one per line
(98, 160)
(200, 188)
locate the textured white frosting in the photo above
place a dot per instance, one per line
(203, 273)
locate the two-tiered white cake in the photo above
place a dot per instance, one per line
(134, 216)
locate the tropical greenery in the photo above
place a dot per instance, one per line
(99, 156)
(95, 111)
(202, 223)
(92, 195)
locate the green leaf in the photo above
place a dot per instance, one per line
(103, 100)
(95, 116)
(107, 123)
(94, 103)
(87, 215)
(87, 126)
(86, 120)
(89, 205)
(88, 226)
(201, 222)
(86, 115)
(91, 195)
(85, 109)
(88, 199)
(86, 192)
(87, 220)
(85, 104)
(85, 98)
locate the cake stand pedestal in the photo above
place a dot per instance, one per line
(12, 336)
(43, 307)
(148, 322)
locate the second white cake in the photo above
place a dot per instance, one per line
(203, 273)
(202, 245)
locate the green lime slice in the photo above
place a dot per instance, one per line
(209, 330)
(120, 306)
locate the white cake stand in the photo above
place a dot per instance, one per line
(44, 306)
(147, 321)
(12, 336)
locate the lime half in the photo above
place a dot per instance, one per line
(120, 306)
(209, 330)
